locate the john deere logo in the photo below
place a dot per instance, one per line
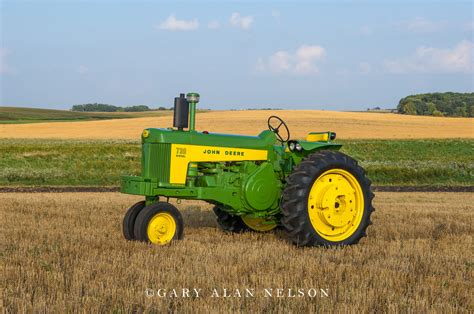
(180, 152)
(211, 152)
(225, 152)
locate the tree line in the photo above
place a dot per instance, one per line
(95, 107)
(438, 104)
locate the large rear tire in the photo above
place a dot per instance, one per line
(228, 222)
(327, 201)
(259, 224)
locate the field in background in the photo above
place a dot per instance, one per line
(348, 125)
(17, 115)
(72, 257)
(99, 163)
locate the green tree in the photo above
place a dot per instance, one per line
(460, 112)
(136, 108)
(437, 113)
(95, 107)
(448, 104)
(410, 108)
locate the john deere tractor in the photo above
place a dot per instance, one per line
(316, 194)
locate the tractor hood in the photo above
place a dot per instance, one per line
(262, 141)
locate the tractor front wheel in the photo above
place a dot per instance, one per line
(129, 220)
(159, 223)
(327, 201)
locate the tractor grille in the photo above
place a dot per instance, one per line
(156, 161)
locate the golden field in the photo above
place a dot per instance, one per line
(65, 253)
(348, 125)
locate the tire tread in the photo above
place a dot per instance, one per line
(295, 220)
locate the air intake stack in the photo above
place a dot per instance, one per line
(193, 99)
(181, 112)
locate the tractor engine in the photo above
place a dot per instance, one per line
(256, 183)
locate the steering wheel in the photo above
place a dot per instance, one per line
(274, 120)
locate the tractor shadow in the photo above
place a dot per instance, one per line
(195, 216)
(203, 217)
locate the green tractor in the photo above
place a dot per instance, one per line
(316, 194)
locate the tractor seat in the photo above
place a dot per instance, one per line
(319, 136)
(267, 136)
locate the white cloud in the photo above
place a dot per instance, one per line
(280, 61)
(82, 69)
(304, 61)
(244, 22)
(458, 59)
(365, 67)
(307, 56)
(213, 25)
(173, 24)
(422, 25)
(4, 67)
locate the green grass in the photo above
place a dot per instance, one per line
(11, 115)
(100, 163)
(415, 162)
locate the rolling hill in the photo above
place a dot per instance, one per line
(16, 115)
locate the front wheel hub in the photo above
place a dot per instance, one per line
(161, 228)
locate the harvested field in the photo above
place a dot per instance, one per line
(66, 252)
(348, 125)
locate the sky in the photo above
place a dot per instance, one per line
(332, 55)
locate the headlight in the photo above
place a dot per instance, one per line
(145, 133)
(291, 145)
(298, 147)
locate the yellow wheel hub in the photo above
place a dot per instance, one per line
(336, 205)
(259, 224)
(161, 228)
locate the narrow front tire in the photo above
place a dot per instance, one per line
(159, 223)
(129, 220)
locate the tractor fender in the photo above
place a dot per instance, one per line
(312, 146)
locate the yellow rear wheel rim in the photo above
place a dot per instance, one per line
(336, 205)
(161, 228)
(258, 224)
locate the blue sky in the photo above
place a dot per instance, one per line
(333, 55)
